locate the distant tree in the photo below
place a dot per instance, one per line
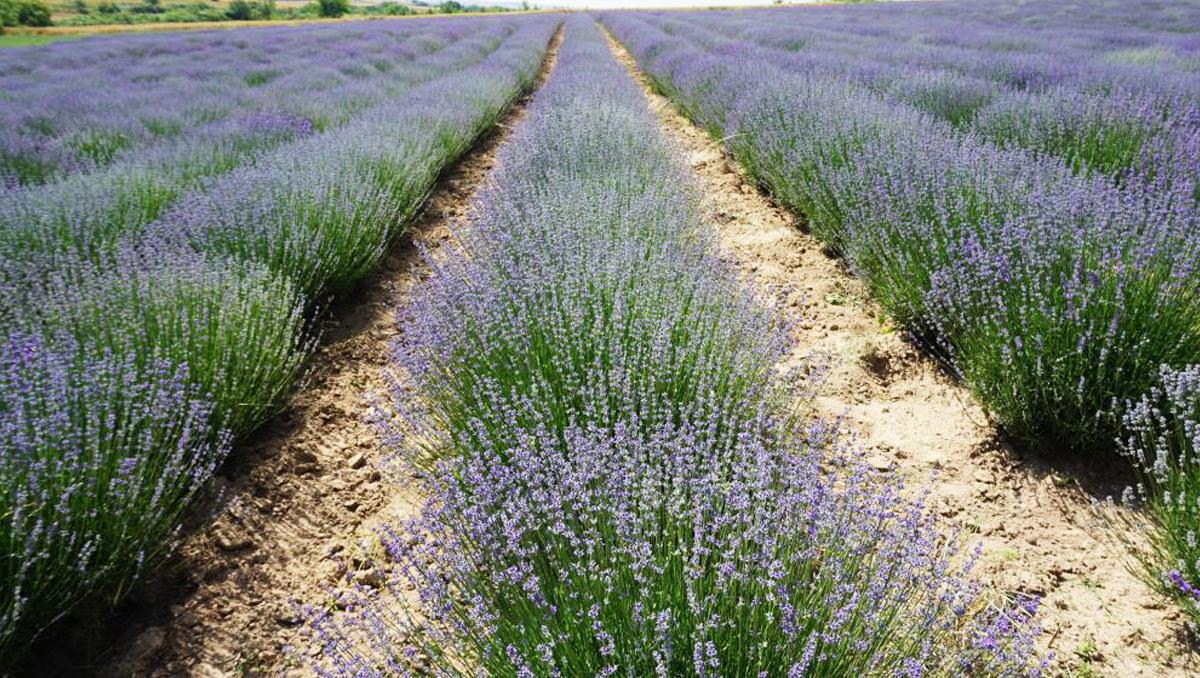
(33, 13)
(263, 9)
(9, 13)
(333, 8)
(108, 7)
(81, 7)
(390, 8)
(239, 10)
(450, 7)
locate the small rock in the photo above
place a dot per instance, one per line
(332, 571)
(184, 617)
(880, 463)
(286, 615)
(369, 577)
(305, 457)
(232, 542)
(351, 505)
(147, 643)
(356, 461)
(982, 476)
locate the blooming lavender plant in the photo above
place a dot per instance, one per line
(240, 332)
(101, 454)
(90, 212)
(610, 553)
(1049, 292)
(71, 111)
(133, 354)
(1162, 440)
(616, 487)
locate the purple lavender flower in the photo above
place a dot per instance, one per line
(615, 485)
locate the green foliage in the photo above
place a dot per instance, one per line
(8, 13)
(450, 7)
(148, 7)
(333, 8)
(239, 10)
(388, 9)
(33, 13)
(248, 10)
(81, 7)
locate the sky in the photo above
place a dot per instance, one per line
(645, 4)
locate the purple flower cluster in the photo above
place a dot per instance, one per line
(79, 106)
(89, 211)
(1162, 439)
(155, 307)
(321, 211)
(1176, 579)
(616, 484)
(1032, 219)
(101, 453)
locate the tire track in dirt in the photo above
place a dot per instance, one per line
(1039, 532)
(300, 496)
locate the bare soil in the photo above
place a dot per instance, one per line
(297, 504)
(1032, 513)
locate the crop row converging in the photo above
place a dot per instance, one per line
(158, 298)
(1019, 188)
(616, 484)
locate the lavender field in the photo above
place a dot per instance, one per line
(818, 341)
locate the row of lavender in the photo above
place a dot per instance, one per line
(149, 100)
(89, 211)
(127, 369)
(1067, 299)
(616, 484)
(1114, 95)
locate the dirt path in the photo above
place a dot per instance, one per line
(1037, 527)
(305, 491)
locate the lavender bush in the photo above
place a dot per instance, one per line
(1053, 273)
(101, 455)
(89, 212)
(238, 331)
(616, 486)
(79, 107)
(1162, 439)
(322, 212)
(160, 305)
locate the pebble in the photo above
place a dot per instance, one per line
(147, 643)
(356, 461)
(369, 577)
(286, 616)
(230, 542)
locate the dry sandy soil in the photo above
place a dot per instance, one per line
(1033, 515)
(299, 501)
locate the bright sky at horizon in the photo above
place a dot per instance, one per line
(651, 4)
